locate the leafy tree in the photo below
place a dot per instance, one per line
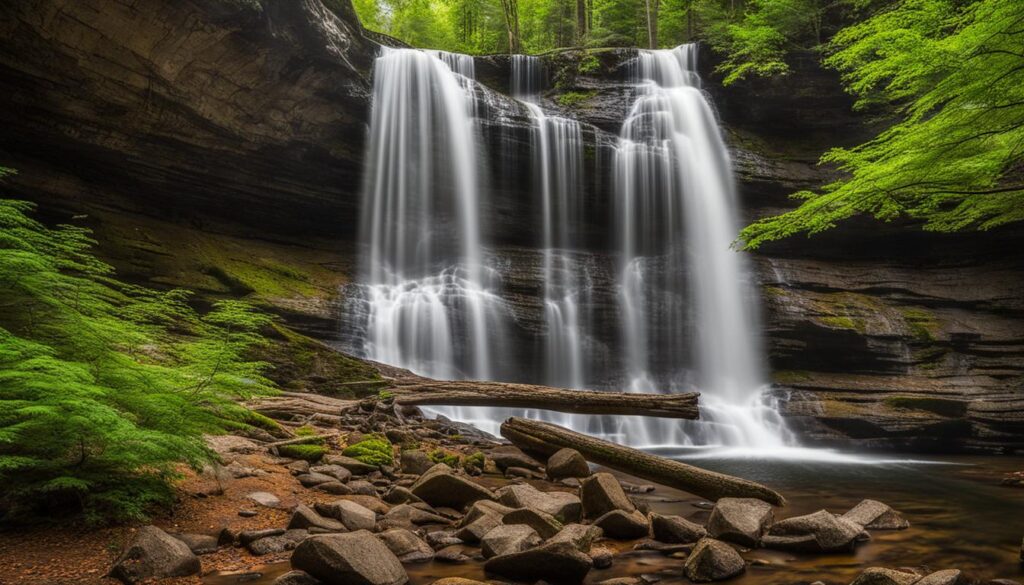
(105, 388)
(954, 73)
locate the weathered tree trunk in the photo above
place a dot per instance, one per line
(546, 438)
(581, 23)
(476, 393)
(511, 10)
(651, 7)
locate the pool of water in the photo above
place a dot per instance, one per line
(960, 518)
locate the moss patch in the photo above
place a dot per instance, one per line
(571, 99)
(440, 456)
(304, 364)
(374, 450)
(922, 324)
(940, 406)
(311, 453)
(791, 376)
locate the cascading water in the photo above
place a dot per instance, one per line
(427, 301)
(676, 208)
(527, 77)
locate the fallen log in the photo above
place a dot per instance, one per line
(546, 438)
(420, 392)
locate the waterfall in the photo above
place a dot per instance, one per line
(527, 77)
(676, 207)
(427, 300)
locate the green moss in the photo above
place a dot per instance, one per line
(309, 453)
(385, 395)
(449, 459)
(476, 460)
(375, 450)
(791, 376)
(306, 431)
(921, 323)
(305, 364)
(571, 99)
(589, 64)
(940, 406)
(843, 322)
(266, 423)
(773, 291)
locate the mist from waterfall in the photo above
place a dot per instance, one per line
(676, 216)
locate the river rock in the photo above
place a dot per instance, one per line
(401, 495)
(558, 562)
(362, 487)
(350, 514)
(296, 578)
(581, 536)
(311, 479)
(623, 525)
(545, 524)
(356, 558)
(265, 499)
(247, 536)
(563, 506)
(154, 554)
(298, 467)
(451, 555)
(338, 472)
(508, 456)
(408, 547)
(373, 503)
(442, 538)
(875, 515)
(882, 576)
(507, 539)
(304, 517)
(740, 520)
(946, 577)
(713, 560)
(415, 462)
(601, 493)
(335, 488)
(817, 532)
(356, 466)
(602, 557)
(287, 540)
(441, 487)
(200, 544)
(567, 463)
(676, 529)
(482, 517)
(406, 516)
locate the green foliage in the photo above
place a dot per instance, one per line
(590, 64)
(306, 431)
(954, 74)
(440, 456)
(571, 99)
(106, 388)
(476, 460)
(311, 453)
(374, 450)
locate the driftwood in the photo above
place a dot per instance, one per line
(301, 440)
(546, 438)
(420, 392)
(303, 406)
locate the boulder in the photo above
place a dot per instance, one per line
(266, 499)
(507, 539)
(441, 487)
(602, 557)
(567, 463)
(740, 520)
(558, 562)
(287, 540)
(451, 555)
(601, 493)
(580, 536)
(882, 576)
(350, 514)
(545, 524)
(946, 577)
(473, 531)
(523, 472)
(676, 529)
(400, 495)
(362, 488)
(508, 456)
(335, 488)
(305, 517)
(356, 558)
(563, 506)
(200, 544)
(154, 554)
(296, 578)
(298, 467)
(442, 538)
(373, 503)
(356, 466)
(338, 472)
(713, 560)
(623, 525)
(406, 516)
(415, 462)
(408, 547)
(314, 479)
(875, 515)
(817, 532)
(247, 536)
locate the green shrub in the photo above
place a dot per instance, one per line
(374, 450)
(311, 453)
(590, 64)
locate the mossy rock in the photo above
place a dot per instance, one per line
(440, 456)
(372, 451)
(939, 406)
(303, 364)
(311, 453)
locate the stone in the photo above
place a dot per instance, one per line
(408, 547)
(508, 456)
(713, 560)
(558, 562)
(154, 554)
(265, 499)
(457, 581)
(622, 581)
(356, 558)
(817, 532)
(441, 538)
(946, 577)
(362, 488)
(882, 576)
(247, 536)
(415, 462)
(623, 525)
(335, 488)
(451, 555)
(298, 467)
(543, 523)
(875, 515)
(348, 513)
(507, 539)
(405, 516)
(296, 578)
(563, 506)
(200, 544)
(441, 487)
(581, 536)
(338, 472)
(740, 520)
(313, 479)
(247, 513)
(369, 502)
(601, 493)
(288, 540)
(676, 529)
(356, 466)
(400, 495)
(305, 517)
(567, 463)
(522, 472)
(602, 557)
(662, 547)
